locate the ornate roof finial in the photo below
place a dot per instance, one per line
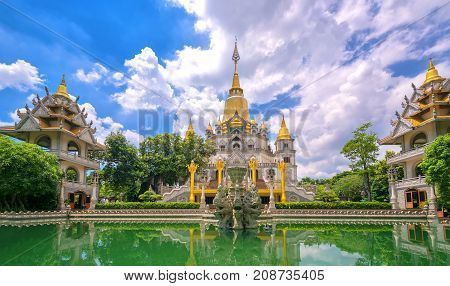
(190, 130)
(235, 87)
(432, 73)
(62, 88)
(283, 133)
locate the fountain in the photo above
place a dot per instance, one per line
(237, 207)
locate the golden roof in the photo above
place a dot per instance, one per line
(62, 88)
(236, 101)
(283, 133)
(263, 125)
(432, 74)
(210, 127)
(190, 131)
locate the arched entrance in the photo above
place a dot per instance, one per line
(79, 200)
(415, 199)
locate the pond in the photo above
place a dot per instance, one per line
(101, 243)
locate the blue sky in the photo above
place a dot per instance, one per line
(327, 65)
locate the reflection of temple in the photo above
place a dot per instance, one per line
(58, 125)
(100, 243)
(241, 141)
(425, 116)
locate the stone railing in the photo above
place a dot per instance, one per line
(78, 159)
(42, 215)
(349, 213)
(78, 185)
(407, 154)
(411, 182)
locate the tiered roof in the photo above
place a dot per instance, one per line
(55, 112)
(426, 104)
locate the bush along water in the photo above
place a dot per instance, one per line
(333, 205)
(148, 205)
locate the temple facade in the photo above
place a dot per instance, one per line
(425, 116)
(58, 125)
(241, 141)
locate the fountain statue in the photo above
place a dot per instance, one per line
(237, 207)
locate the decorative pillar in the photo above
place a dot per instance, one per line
(192, 168)
(271, 176)
(282, 168)
(62, 203)
(219, 165)
(392, 175)
(432, 204)
(94, 197)
(253, 164)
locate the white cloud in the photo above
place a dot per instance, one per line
(94, 75)
(20, 75)
(106, 125)
(146, 87)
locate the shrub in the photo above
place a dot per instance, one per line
(149, 196)
(148, 205)
(325, 195)
(333, 205)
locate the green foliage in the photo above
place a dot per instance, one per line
(29, 177)
(362, 151)
(436, 166)
(166, 157)
(349, 187)
(123, 169)
(149, 196)
(311, 181)
(324, 195)
(333, 205)
(148, 205)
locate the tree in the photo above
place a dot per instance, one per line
(324, 195)
(436, 166)
(30, 177)
(349, 187)
(166, 157)
(149, 196)
(362, 151)
(123, 169)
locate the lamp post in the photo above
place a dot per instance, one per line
(192, 168)
(271, 176)
(203, 179)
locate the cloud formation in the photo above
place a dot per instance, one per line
(20, 75)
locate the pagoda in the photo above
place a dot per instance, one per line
(425, 116)
(58, 125)
(241, 141)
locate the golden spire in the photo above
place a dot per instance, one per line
(190, 131)
(283, 133)
(62, 88)
(210, 127)
(235, 86)
(432, 73)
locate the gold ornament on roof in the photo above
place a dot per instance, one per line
(283, 133)
(190, 131)
(62, 88)
(432, 74)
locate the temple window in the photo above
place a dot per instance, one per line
(419, 171)
(419, 140)
(73, 149)
(236, 146)
(222, 148)
(287, 159)
(285, 146)
(71, 175)
(44, 142)
(251, 147)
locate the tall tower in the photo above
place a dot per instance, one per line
(284, 150)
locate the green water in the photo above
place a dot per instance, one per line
(191, 244)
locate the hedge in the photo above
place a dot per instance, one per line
(148, 205)
(333, 205)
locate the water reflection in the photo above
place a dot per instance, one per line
(89, 243)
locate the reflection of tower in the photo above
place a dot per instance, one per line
(284, 258)
(191, 260)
